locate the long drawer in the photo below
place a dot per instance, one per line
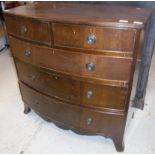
(72, 90)
(93, 38)
(50, 83)
(71, 116)
(30, 29)
(73, 63)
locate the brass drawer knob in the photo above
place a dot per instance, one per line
(56, 77)
(23, 29)
(91, 39)
(37, 104)
(89, 121)
(90, 67)
(27, 53)
(33, 77)
(89, 94)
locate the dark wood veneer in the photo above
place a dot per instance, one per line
(112, 39)
(35, 30)
(76, 63)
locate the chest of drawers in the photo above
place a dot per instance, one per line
(76, 64)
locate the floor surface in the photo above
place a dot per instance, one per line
(20, 133)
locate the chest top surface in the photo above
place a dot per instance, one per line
(85, 14)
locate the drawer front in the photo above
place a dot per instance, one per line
(50, 83)
(30, 29)
(103, 96)
(85, 65)
(84, 93)
(22, 50)
(72, 116)
(51, 107)
(93, 38)
(80, 64)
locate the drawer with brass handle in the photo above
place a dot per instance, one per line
(50, 83)
(73, 63)
(93, 38)
(29, 29)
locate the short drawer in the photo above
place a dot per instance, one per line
(72, 90)
(30, 29)
(93, 38)
(73, 63)
(70, 115)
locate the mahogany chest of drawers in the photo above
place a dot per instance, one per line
(76, 64)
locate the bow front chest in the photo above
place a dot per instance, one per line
(76, 63)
